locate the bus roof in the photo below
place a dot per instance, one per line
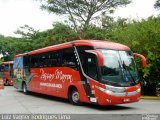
(94, 43)
(7, 62)
(19, 55)
(102, 44)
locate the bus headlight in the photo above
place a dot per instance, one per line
(101, 89)
(115, 89)
(111, 89)
(138, 90)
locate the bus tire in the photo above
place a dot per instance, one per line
(24, 88)
(74, 97)
(6, 82)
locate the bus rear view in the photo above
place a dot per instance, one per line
(7, 72)
(90, 71)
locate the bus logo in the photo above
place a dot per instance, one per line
(57, 75)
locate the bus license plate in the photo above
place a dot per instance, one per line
(126, 100)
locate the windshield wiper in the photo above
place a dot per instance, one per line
(127, 70)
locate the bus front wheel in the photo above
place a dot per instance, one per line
(74, 97)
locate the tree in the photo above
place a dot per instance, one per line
(82, 11)
(59, 34)
(157, 4)
(26, 32)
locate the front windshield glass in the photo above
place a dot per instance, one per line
(119, 68)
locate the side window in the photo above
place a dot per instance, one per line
(60, 55)
(53, 59)
(67, 58)
(48, 59)
(88, 61)
(81, 52)
(26, 61)
(59, 58)
(6, 67)
(1, 68)
(90, 67)
(44, 60)
(34, 61)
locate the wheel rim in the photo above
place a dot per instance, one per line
(75, 97)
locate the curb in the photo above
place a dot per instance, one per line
(150, 97)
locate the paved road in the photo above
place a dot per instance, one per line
(13, 101)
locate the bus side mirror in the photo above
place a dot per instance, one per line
(99, 56)
(143, 59)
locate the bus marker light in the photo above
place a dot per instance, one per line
(138, 90)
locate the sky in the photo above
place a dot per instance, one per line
(16, 13)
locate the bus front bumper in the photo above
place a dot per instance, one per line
(111, 98)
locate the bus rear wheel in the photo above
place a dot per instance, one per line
(6, 83)
(24, 88)
(74, 97)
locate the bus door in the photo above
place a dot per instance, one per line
(90, 67)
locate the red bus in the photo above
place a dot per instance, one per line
(1, 84)
(6, 69)
(89, 71)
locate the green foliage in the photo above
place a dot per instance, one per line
(92, 32)
(26, 32)
(157, 4)
(1, 60)
(10, 46)
(61, 33)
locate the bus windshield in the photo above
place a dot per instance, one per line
(119, 68)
